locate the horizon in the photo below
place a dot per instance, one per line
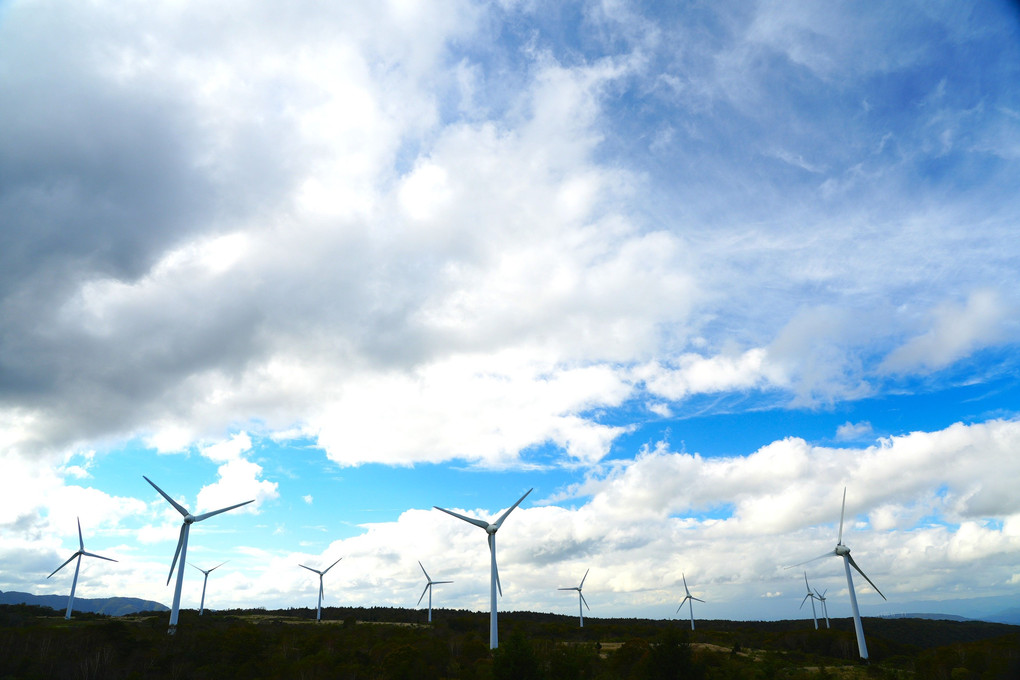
(689, 272)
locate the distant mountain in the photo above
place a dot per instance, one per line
(1011, 616)
(932, 617)
(111, 606)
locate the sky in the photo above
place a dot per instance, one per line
(687, 270)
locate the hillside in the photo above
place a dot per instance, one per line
(393, 643)
(110, 606)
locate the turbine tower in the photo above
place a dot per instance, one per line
(74, 582)
(182, 547)
(428, 587)
(491, 530)
(810, 596)
(205, 580)
(318, 611)
(689, 599)
(848, 561)
(825, 610)
(580, 597)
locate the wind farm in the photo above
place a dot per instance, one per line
(322, 575)
(580, 598)
(688, 600)
(844, 552)
(182, 547)
(491, 529)
(429, 583)
(76, 557)
(205, 581)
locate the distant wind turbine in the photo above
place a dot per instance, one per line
(318, 611)
(689, 599)
(182, 547)
(78, 555)
(428, 587)
(580, 597)
(820, 596)
(848, 561)
(810, 596)
(205, 580)
(491, 530)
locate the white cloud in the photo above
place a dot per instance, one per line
(848, 432)
(956, 331)
(238, 478)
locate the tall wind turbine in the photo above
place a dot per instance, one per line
(491, 530)
(428, 587)
(820, 596)
(810, 596)
(580, 597)
(688, 599)
(848, 561)
(74, 582)
(205, 580)
(318, 611)
(182, 547)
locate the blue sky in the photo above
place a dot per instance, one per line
(686, 271)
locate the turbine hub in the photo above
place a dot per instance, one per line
(189, 519)
(842, 550)
(491, 529)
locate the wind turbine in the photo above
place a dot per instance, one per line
(428, 587)
(318, 612)
(201, 607)
(810, 596)
(491, 530)
(689, 599)
(580, 597)
(825, 610)
(182, 547)
(848, 561)
(74, 582)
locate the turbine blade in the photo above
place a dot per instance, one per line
(424, 572)
(502, 517)
(682, 603)
(842, 510)
(800, 564)
(330, 567)
(180, 542)
(697, 600)
(438, 582)
(110, 559)
(584, 600)
(803, 601)
(219, 565)
(81, 541)
(566, 589)
(470, 520)
(69, 559)
(322, 593)
(207, 515)
(854, 565)
(423, 593)
(492, 549)
(180, 508)
(310, 569)
(806, 583)
(582, 580)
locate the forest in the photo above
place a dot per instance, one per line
(391, 643)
